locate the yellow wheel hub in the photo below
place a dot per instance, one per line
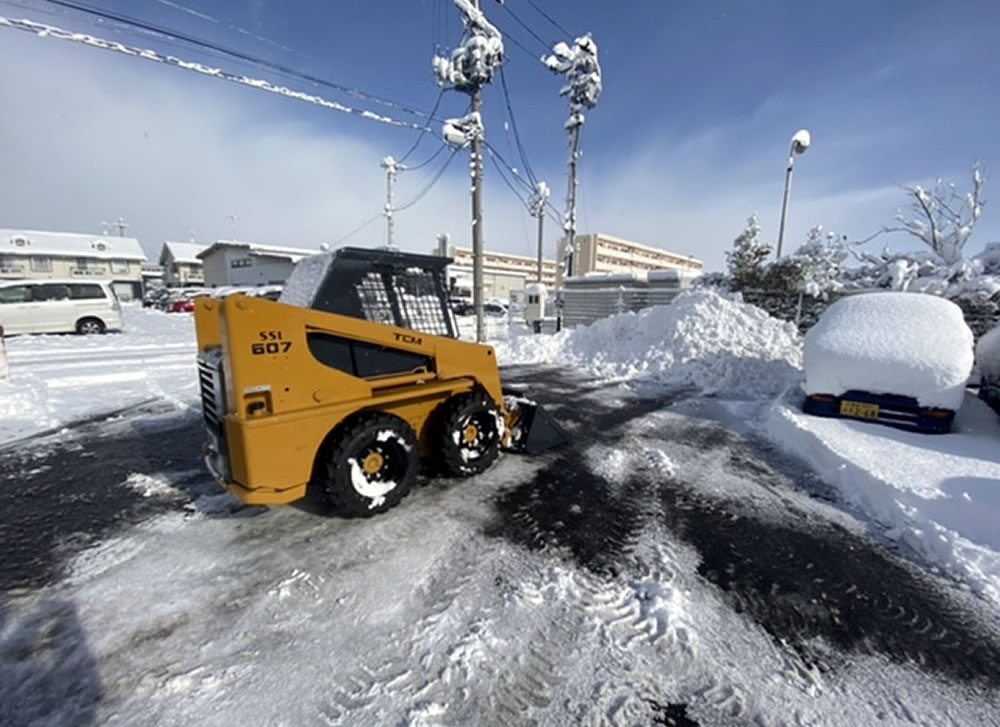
(470, 434)
(373, 463)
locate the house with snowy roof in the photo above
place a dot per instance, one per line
(181, 265)
(40, 254)
(234, 262)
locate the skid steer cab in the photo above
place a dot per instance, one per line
(348, 381)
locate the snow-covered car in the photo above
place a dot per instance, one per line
(988, 363)
(901, 359)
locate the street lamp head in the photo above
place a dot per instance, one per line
(801, 141)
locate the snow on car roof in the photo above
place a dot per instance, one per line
(910, 344)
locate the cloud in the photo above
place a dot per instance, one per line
(90, 136)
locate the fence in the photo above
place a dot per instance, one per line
(589, 298)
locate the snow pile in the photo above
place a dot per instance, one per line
(988, 354)
(306, 277)
(703, 340)
(939, 495)
(891, 343)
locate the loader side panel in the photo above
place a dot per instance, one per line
(292, 375)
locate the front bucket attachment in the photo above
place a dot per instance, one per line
(532, 429)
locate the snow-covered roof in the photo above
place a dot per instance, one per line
(183, 252)
(294, 254)
(69, 244)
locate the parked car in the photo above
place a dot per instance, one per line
(497, 310)
(900, 359)
(181, 305)
(988, 364)
(59, 306)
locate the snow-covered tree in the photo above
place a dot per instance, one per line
(820, 263)
(746, 260)
(943, 218)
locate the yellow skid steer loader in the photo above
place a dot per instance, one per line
(347, 380)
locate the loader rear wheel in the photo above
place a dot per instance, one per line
(469, 433)
(370, 465)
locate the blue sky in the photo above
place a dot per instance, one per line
(689, 137)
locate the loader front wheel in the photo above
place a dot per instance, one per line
(370, 465)
(469, 434)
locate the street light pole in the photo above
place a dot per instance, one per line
(800, 142)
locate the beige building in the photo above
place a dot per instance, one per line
(38, 255)
(181, 266)
(502, 272)
(599, 253)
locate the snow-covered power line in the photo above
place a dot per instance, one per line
(427, 188)
(234, 54)
(50, 31)
(242, 31)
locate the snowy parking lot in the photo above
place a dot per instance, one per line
(702, 553)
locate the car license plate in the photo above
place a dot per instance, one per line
(859, 409)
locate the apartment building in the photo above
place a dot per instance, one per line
(182, 267)
(600, 253)
(40, 254)
(233, 262)
(502, 272)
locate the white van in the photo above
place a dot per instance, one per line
(59, 306)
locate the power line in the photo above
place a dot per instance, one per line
(424, 163)
(235, 54)
(423, 131)
(50, 31)
(524, 25)
(513, 124)
(549, 18)
(430, 185)
(356, 230)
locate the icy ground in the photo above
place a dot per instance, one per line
(670, 567)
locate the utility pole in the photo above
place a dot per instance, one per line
(537, 206)
(574, 124)
(582, 69)
(392, 169)
(468, 69)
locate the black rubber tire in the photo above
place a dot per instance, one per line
(90, 326)
(341, 464)
(457, 457)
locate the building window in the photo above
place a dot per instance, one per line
(41, 264)
(241, 263)
(119, 266)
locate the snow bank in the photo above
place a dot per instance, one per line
(939, 495)
(703, 340)
(891, 343)
(988, 354)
